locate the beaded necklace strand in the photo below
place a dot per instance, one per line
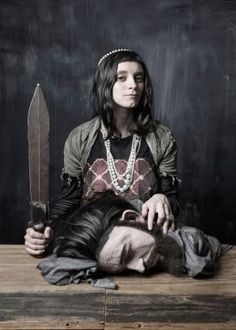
(127, 177)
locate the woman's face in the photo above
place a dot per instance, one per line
(129, 85)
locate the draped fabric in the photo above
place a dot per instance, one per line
(200, 251)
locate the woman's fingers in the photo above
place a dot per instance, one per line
(169, 223)
(34, 234)
(169, 219)
(34, 252)
(158, 209)
(167, 209)
(151, 216)
(165, 227)
(48, 232)
(34, 247)
(145, 210)
(161, 215)
(35, 242)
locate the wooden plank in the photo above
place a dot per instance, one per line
(59, 324)
(122, 308)
(159, 301)
(69, 310)
(75, 324)
(172, 286)
(169, 326)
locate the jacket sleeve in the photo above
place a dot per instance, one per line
(68, 200)
(167, 173)
(168, 160)
(72, 155)
(72, 183)
(168, 185)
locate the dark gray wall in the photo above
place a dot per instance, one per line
(190, 50)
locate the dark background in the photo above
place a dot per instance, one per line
(190, 50)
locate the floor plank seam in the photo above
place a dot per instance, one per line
(105, 309)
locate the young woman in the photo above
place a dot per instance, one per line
(122, 148)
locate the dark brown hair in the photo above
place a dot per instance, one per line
(79, 235)
(101, 93)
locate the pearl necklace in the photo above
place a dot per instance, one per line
(128, 174)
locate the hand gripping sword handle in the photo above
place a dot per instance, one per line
(38, 216)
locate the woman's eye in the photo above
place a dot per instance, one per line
(139, 78)
(121, 78)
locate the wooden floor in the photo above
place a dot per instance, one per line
(157, 302)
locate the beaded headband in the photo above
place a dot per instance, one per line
(114, 52)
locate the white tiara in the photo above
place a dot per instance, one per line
(114, 52)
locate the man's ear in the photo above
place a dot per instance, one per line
(132, 215)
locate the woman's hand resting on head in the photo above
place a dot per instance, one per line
(157, 209)
(36, 243)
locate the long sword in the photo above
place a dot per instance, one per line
(38, 152)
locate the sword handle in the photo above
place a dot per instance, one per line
(38, 216)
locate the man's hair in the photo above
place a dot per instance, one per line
(101, 93)
(79, 235)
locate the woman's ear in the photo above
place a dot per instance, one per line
(132, 215)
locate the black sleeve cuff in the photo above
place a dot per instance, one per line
(68, 200)
(168, 185)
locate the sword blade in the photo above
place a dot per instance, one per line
(38, 152)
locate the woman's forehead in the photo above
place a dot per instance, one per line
(130, 66)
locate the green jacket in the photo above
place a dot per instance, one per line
(81, 139)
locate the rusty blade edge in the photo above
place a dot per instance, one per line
(38, 146)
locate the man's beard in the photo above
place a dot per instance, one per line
(171, 260)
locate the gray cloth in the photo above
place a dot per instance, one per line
(200, 251)
(63, 270)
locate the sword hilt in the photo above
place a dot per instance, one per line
(38, 216)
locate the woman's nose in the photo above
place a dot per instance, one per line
(132, 83)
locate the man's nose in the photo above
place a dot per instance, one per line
(137, 265)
